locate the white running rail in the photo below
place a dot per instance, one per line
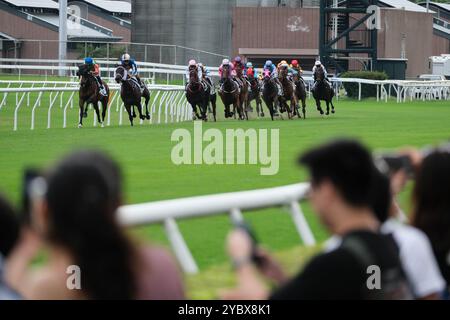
(170, 99)
(167, 212)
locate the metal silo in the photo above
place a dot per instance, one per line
(199, 24)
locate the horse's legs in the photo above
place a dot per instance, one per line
(147, 100)
(194, 111)
(129, 111)
(213, 103)
(259, 106)
(97, 112)
(204, 109)
(328, 107)
(133, 112)
(318, 106)
(304, 107)
(332, 105)
(139, 107)
(104, 108)
(81, 104)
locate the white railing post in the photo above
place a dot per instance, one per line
(179, 246)
(301, 224)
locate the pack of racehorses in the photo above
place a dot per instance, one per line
(236, 92)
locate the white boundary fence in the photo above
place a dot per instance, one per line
(147, 70)
(168, 211)
(403, 89)
(165, 100)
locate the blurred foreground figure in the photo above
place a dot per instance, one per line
(365, 265)
(89, 255)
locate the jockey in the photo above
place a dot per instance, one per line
(296, 67)
(319, 65)
(273, 75)
(250, 71)
(193, 66)
(238, 64)
(206, 78)
(94, 69)
(282, 62)
(131, 66)
(231, 74)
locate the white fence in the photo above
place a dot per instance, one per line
(147, 70)
(165, 100)
(401, 89)
(166, 212)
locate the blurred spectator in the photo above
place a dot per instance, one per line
(416, 255)
(76, 219)
(431, 206)
(9, 234)
(342, 178)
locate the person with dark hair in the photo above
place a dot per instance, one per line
(76, 218)
(431, 206)
(416, 255)
(9, 235)
(342, 179)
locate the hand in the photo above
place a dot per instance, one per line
(239, 245)
(414, 155)
(269, 267)
(30, 242)
(398, 181)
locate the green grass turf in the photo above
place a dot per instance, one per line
(144, 154)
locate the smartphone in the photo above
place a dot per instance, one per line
(251, 234)
(390, 164)
(30, 174)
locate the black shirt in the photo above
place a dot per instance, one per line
(343, 272)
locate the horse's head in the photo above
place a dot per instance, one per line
(193, 75)
(83, 73)
(266, 75)
(119, 74)
(82, 70)
(320, 74)
(226, 71)
(238, 69)
(284, 71)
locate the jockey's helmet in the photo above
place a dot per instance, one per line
(268, 63)
(237, 59)
(294, 63)
(225, 62)
(126, 57)
(88, 60)
(283, 62)
(318, 63)
(249, 65)
(200, 65)
(192, 62)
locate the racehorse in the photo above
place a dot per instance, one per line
(300, 93)
(229, 93)
(212, 99)
(197, 95)
(255, 94)
(243, 97)
(130, 92)
(90, 94)
(323, 91)
(270, 92)
(288, 94)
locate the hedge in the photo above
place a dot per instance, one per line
(367, 90)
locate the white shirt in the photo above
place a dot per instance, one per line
(416, 256)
